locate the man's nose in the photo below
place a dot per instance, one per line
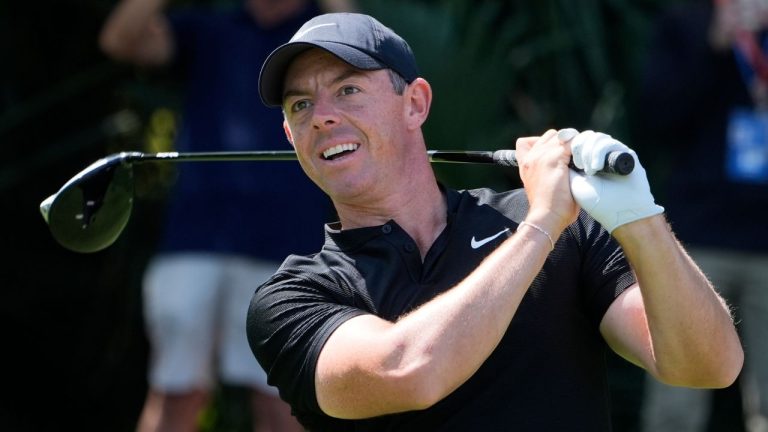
(325, 114)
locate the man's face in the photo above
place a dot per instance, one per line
(346, 126)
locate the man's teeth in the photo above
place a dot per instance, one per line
(333, 151)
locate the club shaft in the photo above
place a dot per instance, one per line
(289, 155)
(621, 163)
(271, 155)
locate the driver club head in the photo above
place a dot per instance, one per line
(91, 210)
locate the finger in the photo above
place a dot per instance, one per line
(578, 147)
(525, 143)
(567, 134)
(548, 135)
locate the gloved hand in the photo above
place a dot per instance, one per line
(611, 199)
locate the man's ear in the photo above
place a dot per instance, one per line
(418, 96)
(288, 133)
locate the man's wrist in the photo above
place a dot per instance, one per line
(641, 230)
(539, 229)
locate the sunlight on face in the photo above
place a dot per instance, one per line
(346, 125)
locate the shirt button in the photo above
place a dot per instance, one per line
(386, 229)
(409, 247)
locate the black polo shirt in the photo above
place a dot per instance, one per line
(547, 374)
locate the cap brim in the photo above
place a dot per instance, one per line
(274, 69)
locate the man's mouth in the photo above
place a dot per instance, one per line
(340, 150)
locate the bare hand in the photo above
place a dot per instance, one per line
(543, 166)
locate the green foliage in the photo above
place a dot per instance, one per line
(504, 69)
(466, 66)
(229, 411)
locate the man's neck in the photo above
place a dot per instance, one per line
(421, 211)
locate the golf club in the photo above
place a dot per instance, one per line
(90, 211)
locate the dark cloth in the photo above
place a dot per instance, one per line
(547, 374)
(688, 93)
(266, 210)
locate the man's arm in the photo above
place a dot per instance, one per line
(672, 322)
(371, 367)
(137, 32)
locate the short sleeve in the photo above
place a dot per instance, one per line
(605, 273)
(289, 320)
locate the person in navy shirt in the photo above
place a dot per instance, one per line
(227, 225)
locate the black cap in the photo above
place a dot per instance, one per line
(357, 39)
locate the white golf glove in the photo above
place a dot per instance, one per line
(611, 199)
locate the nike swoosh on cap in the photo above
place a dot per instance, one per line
(302, 33)
(478, 243)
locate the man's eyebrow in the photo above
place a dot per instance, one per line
(289, 93)
(349, 73)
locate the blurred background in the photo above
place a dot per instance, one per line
(74, 349)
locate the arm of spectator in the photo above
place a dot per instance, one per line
(137, 32)
(338, 6)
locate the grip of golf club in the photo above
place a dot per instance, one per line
(621, 163)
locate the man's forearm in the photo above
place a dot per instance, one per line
(424, 356)
(694, 340)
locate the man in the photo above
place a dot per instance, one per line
(227, 226)
(433, 309)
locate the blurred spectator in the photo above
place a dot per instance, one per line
(229, 225)
(704, 102)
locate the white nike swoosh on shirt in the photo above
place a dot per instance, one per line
(478, 243)
(300, 35)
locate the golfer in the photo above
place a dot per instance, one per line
(431, 309)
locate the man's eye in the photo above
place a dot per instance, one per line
(299, 105)
(348, 90)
